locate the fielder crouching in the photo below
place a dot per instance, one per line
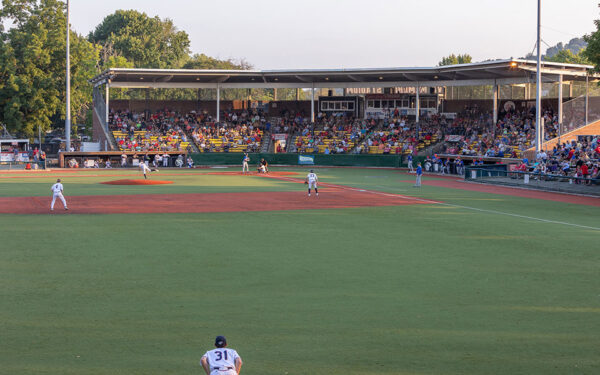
(221, 361)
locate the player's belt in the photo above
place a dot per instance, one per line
(223, 368)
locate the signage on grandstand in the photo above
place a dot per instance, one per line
(451, 115)
(453, 138)
(387, 90)
(306, 159)
(279, 137)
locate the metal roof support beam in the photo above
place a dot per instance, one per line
(107, 103)
(495, 99)
(317, 85)
(417, 107)
(218, 103)
(302, 79)
(560, 106)
(312, 104)
(221, 79)
(587, 94)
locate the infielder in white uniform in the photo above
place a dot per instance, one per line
(57, 191)
(145, 169)
(311, 180)
(245, 161)
(221, 361)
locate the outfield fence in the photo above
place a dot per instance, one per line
(350, 160)
(534, 180)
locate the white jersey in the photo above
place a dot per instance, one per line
(57, 188)
(312, 177)
(221, 359)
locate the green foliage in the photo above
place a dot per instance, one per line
(592, 52)
(568, 57)
(146, 42)
(455, 59)
(201, 61)
(32, 56)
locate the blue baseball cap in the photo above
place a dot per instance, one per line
(220, 341)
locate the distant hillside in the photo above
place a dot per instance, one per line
(575, 45)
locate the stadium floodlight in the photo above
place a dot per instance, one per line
(68, 99)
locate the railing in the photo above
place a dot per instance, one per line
(21, 165)
(535, 179)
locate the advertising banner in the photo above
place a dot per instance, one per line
(306, 160)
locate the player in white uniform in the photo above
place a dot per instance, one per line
(145, 169)
(221, 361)
(311, 180)
(245, 161)
(57, 191)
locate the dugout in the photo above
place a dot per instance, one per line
(133, 157)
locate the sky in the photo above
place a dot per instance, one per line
(312, 34)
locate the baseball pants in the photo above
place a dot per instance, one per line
(62, 199)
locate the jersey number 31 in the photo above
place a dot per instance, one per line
(221, 355)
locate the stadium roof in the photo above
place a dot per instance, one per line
(501, 72)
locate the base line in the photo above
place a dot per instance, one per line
(292, 179)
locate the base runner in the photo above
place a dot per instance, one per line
(311, 180)
(221, 361)
(57, 192)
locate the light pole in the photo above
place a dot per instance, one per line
(68, 109)
(538, 83)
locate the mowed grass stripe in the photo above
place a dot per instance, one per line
(386, 290)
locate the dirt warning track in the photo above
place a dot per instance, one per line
(212, 202)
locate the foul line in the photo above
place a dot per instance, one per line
(291, 179)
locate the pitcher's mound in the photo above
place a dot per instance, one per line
(137, 182)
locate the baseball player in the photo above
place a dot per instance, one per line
(419, 174)
(57, 191)
(245, 161)
(311, 180)
(410, 163)
(221, 361)
(145, 169)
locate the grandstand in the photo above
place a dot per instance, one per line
(390, 95)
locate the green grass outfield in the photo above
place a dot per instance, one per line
(417, 289)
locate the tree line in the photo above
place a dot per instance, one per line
(33, 49)
(33, 65)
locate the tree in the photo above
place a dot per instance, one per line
(568, 57)
(592, 52)
(456, 59)
(32, 55)
(146, 42)
(201, 61)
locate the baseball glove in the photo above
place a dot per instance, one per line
(305, 182)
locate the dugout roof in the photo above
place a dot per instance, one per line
(500, 72)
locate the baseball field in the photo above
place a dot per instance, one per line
(371, 277)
